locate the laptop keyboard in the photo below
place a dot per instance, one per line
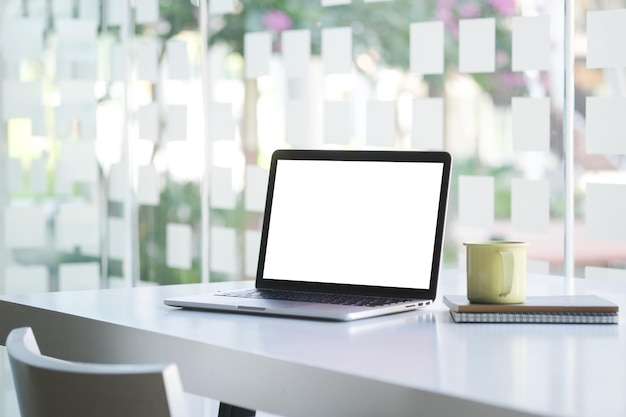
(352, 300)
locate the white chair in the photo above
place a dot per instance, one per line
(50, 387)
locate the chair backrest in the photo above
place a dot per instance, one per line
(50, 387)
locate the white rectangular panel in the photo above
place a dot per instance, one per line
(296, 47)
(149, 122)
(89, 10)
(252, 247)
(297, 131)
(117, 183)
(606, 30)
(477, 45)
(337, 122)
(148, 192)
(34, 9)
(75, 31)
(614, 275)
(218, 7)
(257, 53)
(14, 176)
(531, 43)
(147, 11)
(606, 125)
(117, 62)
(62, 8)
(337, 50)
(223, 250)
(117, 239)
(26, 279)
(531, 124)
(178, 246)
(148, 60)
(428, 124)
(177, 60)
(256, 188)
(381, 123)
(176, 128)
(605, 205)
(222, 122)
(39, 176)
(24, 227)
(79, 276)
(327, 3)
(69, 113)
(77, 92)
(30, 35)
(530, 205)
(427, 48)
(20, 100)
(222, 194)
(77, 161)
(77, 226)
(476, 201)
(117, 11)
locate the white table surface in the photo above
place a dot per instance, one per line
(404, 364)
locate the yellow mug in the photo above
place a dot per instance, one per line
(496, 272)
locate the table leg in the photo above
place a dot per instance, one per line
(227, 410)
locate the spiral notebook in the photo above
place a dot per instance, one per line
(565, 309)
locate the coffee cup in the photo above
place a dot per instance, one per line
(496, 272)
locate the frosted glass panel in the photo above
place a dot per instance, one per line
(79, 276)
(605, 207)
(381, 126)
(427, 49)
(258, 47)
(224, 250)
(606, 125)
(252, 246)
(531, 124)
(27, 279)
(178, 246)
(476, 197)
(256, 188)
(531, 43)
(30, 35)
(477, 40)
(177, 60)
(428, 122)
(296, 46)
(222, 193)
(530, 205)
(337, 122)
(25, 227)
(605, 30)
(337, 50)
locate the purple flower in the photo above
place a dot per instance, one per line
(469, 10)
(502, 59)
(276, 21)
(505, 7)
(449, 21)
(512, 79)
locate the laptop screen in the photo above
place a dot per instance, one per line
(356, 222)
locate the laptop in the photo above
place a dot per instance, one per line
(347, 234)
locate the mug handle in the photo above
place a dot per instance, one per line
(507, 271)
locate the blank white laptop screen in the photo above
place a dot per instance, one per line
(354, 222)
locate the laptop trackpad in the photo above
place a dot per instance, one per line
(262, 305)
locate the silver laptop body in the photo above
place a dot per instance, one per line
(348, 224)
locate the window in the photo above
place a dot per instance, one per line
(135, 139)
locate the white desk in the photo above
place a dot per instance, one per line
(405, 364)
